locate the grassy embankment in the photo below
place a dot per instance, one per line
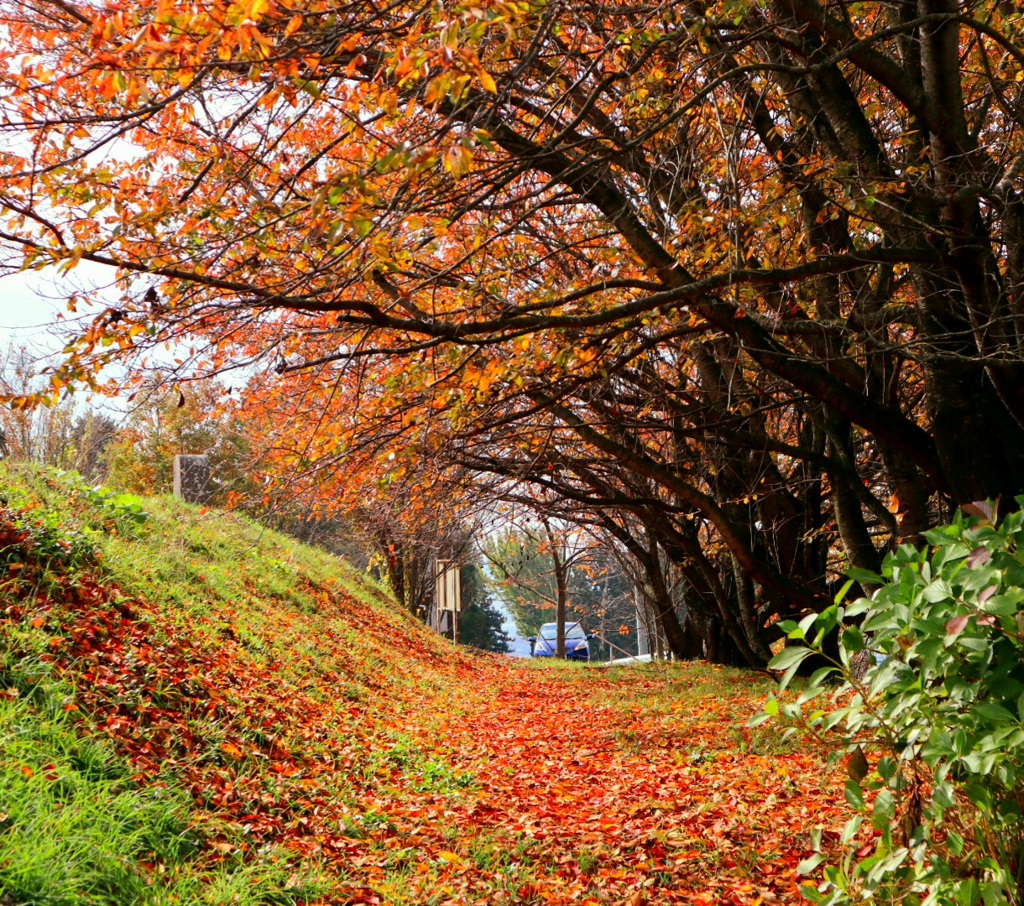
(197, 710)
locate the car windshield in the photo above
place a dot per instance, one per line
(549, 631)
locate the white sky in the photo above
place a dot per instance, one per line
(32, 302)
(25, 310)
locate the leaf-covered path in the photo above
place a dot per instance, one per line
(627, 787)
(487, 782)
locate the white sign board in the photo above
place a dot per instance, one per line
(449, 586)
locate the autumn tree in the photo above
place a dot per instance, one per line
(532, 567)
(535, 566)
(42, 433)
(601, 591)
(59, 431)
(755, 267)
(354, 472)
(91, 436)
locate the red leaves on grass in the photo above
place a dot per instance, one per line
(474, 780)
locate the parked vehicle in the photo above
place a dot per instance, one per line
(577, 642)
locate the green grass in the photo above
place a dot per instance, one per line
(213, 572)
(75, 830)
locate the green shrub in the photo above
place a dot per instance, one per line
(121, 510)
(938, 712)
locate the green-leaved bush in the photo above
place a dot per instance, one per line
(927, 697)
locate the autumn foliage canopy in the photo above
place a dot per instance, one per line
(737, 284)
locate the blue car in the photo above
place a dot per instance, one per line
(577, 647)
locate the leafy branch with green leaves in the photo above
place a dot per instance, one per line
(926, 696)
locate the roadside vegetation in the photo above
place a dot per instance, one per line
(197, 709)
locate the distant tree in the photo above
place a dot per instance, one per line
(536, 568)
(522, 578)
(41, 434)
(600, 589)
(405, 541)
(57, 432)
(91, 436)
(480, 624)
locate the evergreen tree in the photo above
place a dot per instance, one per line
(480, 621)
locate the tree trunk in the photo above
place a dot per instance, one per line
(562, 590)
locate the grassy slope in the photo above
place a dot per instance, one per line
(210, 712)
(232, 669)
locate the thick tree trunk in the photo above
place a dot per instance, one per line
(748, 613)
(661, 598)
(708, 588)
(647, 558)
(976, 402)
(846, 503)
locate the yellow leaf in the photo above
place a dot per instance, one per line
(294, 24)
(487, 80)
(458, 160)
(452, 859)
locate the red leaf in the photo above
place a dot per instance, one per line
(957, 625)
(978, 557)
(981, 509)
